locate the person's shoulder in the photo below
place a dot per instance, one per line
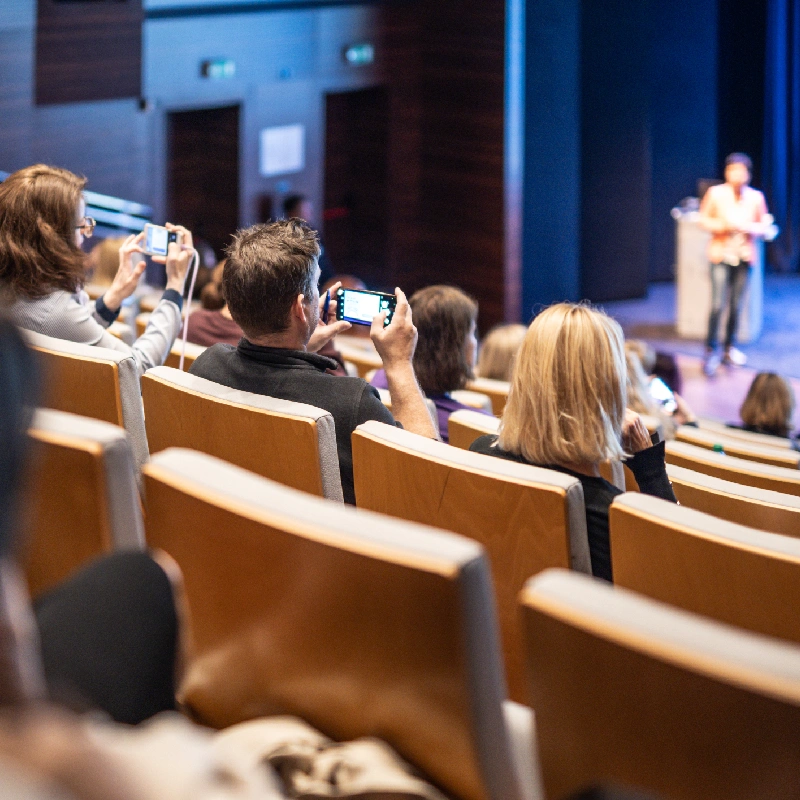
(212, 356)
(489, 446)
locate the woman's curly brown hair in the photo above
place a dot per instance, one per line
(38, 253)
(443, 316)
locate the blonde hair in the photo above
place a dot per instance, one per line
(103, 260)
(499, 351)
(769, 404)
(568, 393)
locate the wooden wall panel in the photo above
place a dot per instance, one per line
(88, 50)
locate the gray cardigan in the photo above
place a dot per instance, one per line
(75, 318)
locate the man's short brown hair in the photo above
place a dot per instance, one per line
(268, 266)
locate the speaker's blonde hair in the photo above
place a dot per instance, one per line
(568, 393)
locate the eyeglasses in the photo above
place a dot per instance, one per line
(87, 226)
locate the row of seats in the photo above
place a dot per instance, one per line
(364, 625)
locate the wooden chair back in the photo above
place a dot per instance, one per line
(527, 518)
(497, 391)
(691, 560)
(714, 425)
(712, 440)
(93, 382)
(629, 692)
(292, 443)
(464, 427)
(736, 470)
(745, 505)
(362, 356)
(193, 352)
(359, 624)
(83, 499)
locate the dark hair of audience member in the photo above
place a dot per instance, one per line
(267, 267)
(212, 297)
(38, 253)
(19, 382)
(769, 405)
(444, 317)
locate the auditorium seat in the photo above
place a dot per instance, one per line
(464, 427)
(527, 518)
(359, 624)
(386, 399)
(292, 443)
(468, 397)
(361, 354)
(94, 382)
(764, 454)
(707, 424)
(497, 391)
(193, 351)
(630, 692)
(82, 499)
(742, 576)
(735, 502)
(736, 470)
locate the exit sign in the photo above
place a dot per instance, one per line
(360, 54)
(218, 68)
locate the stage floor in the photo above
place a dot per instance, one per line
(777, 349)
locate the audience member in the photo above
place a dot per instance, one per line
(270, 283)
(499, 350)
(446, 319)
(212, 322)
(567, 411)
(42, 225)
(769, 405)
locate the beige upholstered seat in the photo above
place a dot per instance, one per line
(83, 497)
(629, 692)
(737, 470)
(464, 427)
(735, 502)
(359, 624)
(713, 425)
(692, 560)
(497, 390)
(361, 354)
(292, 443)
(527, 518)
(193, 351)
(473, 399)
(764, 454)
(93, 382)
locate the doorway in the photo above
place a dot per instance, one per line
(203, 173)
(355, 224)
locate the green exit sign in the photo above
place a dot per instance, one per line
(360, 54)
(218, 68)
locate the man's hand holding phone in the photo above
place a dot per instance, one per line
(328, 326)
(397, 341)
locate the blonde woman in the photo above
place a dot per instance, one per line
(769, 405)
(567, 411)
(499, 351)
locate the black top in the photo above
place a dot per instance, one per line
(300, 377)
(648, 468)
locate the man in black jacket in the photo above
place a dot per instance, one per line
(270, 283)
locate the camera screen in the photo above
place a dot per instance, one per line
(156, 240)
(362, 307)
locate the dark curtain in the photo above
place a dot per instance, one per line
(782, 130)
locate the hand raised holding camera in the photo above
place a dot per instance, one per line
(179, 254)
(128, 273)
(397, 341)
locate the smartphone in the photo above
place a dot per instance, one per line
(360, 306)
(157, 239)
(662, 394)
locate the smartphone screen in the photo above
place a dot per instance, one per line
(360, 307)
(661, 393)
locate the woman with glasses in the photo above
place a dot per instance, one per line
(43, 223)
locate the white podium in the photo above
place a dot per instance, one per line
(693, 274)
